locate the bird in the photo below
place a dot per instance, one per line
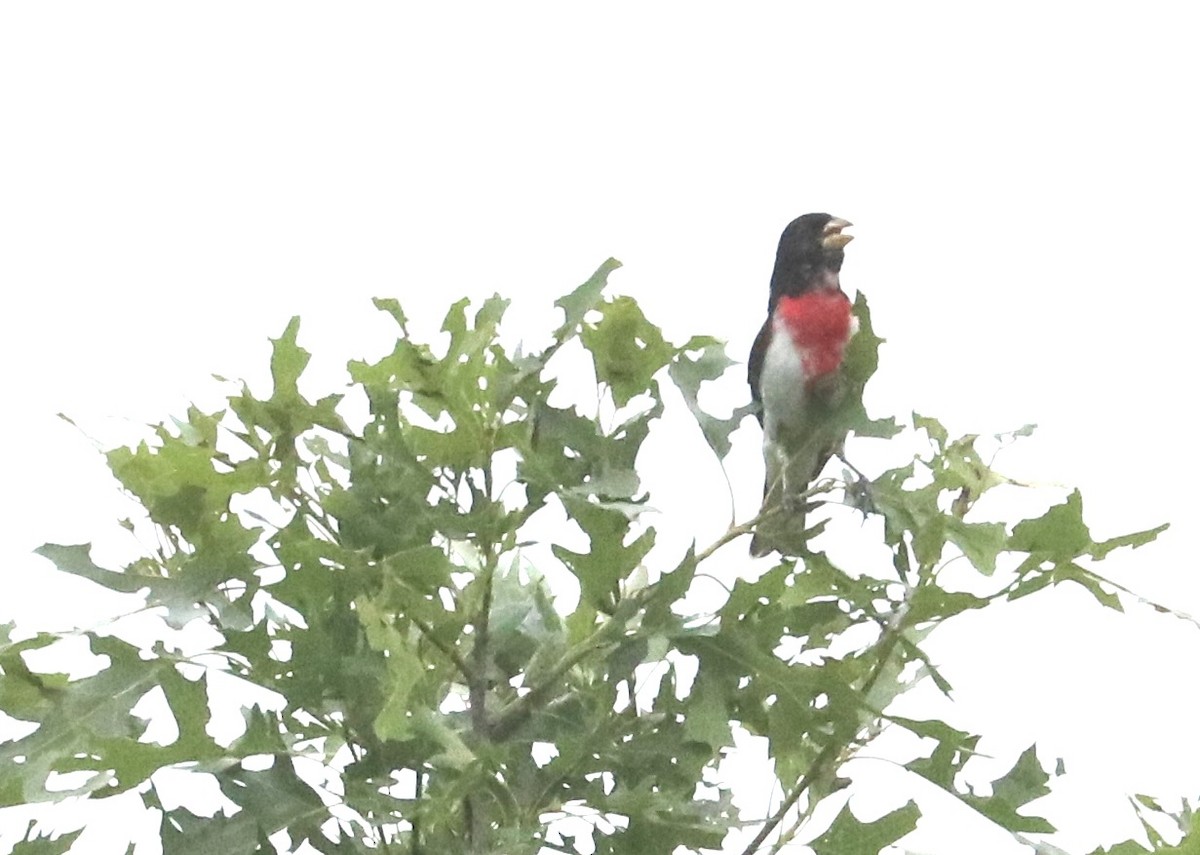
(796, 373)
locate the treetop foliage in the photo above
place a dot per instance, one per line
(435, 694)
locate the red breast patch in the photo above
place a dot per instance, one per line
(819, 323)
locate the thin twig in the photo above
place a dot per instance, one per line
(1146, 601)
(814, 769)
(453, 655)
(512, 715)
(733, 533)
(831, 749)
(477, 683)
(747, 527)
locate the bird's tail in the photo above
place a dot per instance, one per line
(782, 526)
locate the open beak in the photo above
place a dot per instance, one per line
(831, 235)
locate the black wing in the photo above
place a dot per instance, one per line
(758, 352)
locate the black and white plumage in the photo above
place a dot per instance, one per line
(796, 373)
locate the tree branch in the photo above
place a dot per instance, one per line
(818, 765)
(515, 713)
(477, 681)
(733, 533)
(736, 531)
(453, 655)
(887, 644)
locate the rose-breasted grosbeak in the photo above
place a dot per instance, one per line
(796, 373)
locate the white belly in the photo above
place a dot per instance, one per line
(782, 385)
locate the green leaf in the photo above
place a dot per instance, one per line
(288, 361)
(525, 630)
(180, 485)
(1024, 430)
(929, 602)
(608, 559)
(91, 728)
(410, 367)
(981, 543)
(927, 668)
(1127, 848)
(1022, 784)
(851, 836)
(699, 361)
(655, 817)
(859, 364)
(937, 433)
(1130, 847)
(385, 509)
(1059, 533)
(392, 307)
(707, 719)
(951, 751)
(1140, 538)
(192, 590)
(404, 669)
(1190, 844)
(627, 349)
(583, 299)
(270, 800)
(25, 694)
(454, 754)
(1069, 571)
(472, 343)
(53, 844)
(959, 467)
(676, 584)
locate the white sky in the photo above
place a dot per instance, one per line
(177, 180)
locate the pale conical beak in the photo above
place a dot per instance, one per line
(831, 235)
